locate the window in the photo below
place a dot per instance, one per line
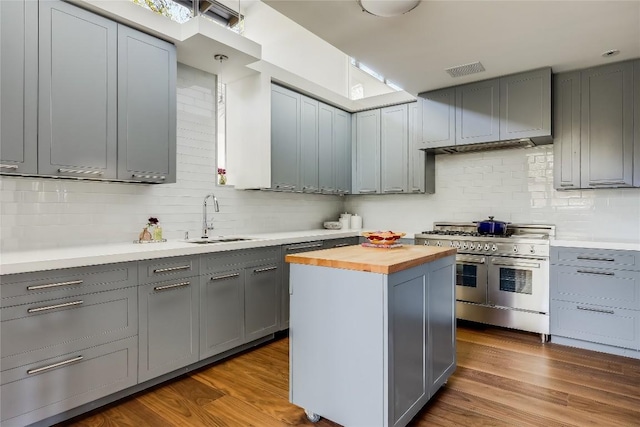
(373, 74)
(182, 10)
(221, 126)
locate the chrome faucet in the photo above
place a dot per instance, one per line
(205, 226)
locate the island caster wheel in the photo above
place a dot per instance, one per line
(312, 416)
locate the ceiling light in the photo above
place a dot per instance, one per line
(220, 57)
(388, 8)
(611, 52)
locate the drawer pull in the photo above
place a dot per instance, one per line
(55, 365)
(153, 177)
(394, 190)
(263, 270)
(54, 285)
(166, 270)
(339, 245)
(53, 307)
(600, 273)
(597, 310)
(590, 258)
(367, 191)
(297, 248)
(80, 171)
(14, 167)
(175, 285)
(226, 276)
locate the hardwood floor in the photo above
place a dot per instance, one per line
(504, 378)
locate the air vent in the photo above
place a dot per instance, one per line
(465, 70)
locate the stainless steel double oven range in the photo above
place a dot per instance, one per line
(501, 280)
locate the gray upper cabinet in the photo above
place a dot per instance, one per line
(285, 134)
(566, 149)
(146, 107)
(308, 163)
(19, 86)
(525, 105)
(326, 149)
(421, 163)
(367, 152)
(394, 122)
(478, 112)
(78, 80)
(438, 118)
(342, 151)
(607, 126)
(594, 109)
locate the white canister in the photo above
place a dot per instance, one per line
(356, 222)
(345, 222)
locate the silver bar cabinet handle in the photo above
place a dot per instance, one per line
(295, 248)
(175, 285)
(80, 171)
(226, 276)
(54, 285)
(55, 365)
(589, 258)
(156, 177)
(53, 307)
(263, 270)
(367, 191)
(339, 245)
(595, 310)
(14, 167)
(165, 270)
(601, 273)
(394, 190)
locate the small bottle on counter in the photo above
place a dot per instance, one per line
(157, 233)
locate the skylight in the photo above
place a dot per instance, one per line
(374, 74)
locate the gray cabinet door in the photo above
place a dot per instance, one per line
(221, 312)
(636, 120)
(77, 92)
(308, 166)
(566, 139)
(19, 86)
(146, 107)
(478, 112)
(438, 118)
(394, 149)
(168, 321)
(342, 151)
(367, 152)
(326, 173)
(416, 158)
(525, 105)
(261, 300)
(607, 126)
(285, 134)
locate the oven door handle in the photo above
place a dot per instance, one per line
(516, 264)
(471, 259)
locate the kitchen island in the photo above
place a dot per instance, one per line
(372, 332)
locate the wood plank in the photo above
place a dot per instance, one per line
(373, 260)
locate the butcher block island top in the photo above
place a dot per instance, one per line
(373, 260)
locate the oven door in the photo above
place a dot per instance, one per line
(471, 278)
(521, 283)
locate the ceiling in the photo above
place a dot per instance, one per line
(413, 50)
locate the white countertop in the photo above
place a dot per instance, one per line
(630, 245)
(51, 259)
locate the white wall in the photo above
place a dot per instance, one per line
(514, 185)
(45, 213)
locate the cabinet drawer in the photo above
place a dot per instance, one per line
(336, 243)
(222, 261)
(50, 386)
(33, 332)
(612, 288)
(605, 258)
(167, 268)
(595, 323)
(44, 285)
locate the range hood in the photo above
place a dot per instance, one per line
(495, 145)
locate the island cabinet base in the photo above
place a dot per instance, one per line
(370, 349)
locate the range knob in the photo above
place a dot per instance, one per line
(451, 243)
(426, 243)
(457, 245)
(494, 248)
(486, 246)
(465, 245)
(532, 249)
(472, 246)
(438, 243)
(515, 248)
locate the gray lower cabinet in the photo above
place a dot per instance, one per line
(168, 318)
(19, 86)
(478, 112)
(146, 107)
(261, 299)
(595, 145)
(285, 134)
(389, 341)
(438, 118)
(68, 337)
(366, 149)
(394, 149)
(595, 299)
(77, 129)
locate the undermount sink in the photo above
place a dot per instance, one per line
(203, 241)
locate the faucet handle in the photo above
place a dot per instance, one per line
(186, 235)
